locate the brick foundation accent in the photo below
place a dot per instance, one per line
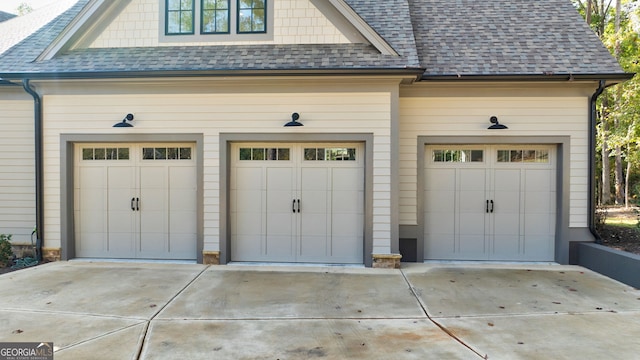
(386, 261)
(50, 254)
(211, 257)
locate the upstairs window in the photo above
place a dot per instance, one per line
(251, 16)
(179, 19)
(213, 17)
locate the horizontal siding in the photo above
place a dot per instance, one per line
(212, 114)
(469, 116)
(17, 176)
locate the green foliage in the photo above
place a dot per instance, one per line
(24, 9)
(5, 249)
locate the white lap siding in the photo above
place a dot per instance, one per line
(231, 111)
(537, 112)
(17, 172)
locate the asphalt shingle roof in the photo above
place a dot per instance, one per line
(444, 37)
(497, 37)
(4, 16)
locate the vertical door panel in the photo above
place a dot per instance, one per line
(280, 231)
(90, 214)
(121, 223)
(182, 212)
(471, 213)
(315, 194)
(440, 212)
(347, 215)
(506, 216)
(153, 213)
(247, 211)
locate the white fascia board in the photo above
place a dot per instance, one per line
(72, 32)
(371, 35)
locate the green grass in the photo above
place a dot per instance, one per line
(630, 223)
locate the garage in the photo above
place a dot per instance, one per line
(297, 202)
(490, 202)
(135, 201)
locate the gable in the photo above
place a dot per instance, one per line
(141, 24)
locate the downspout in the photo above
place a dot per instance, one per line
(37, 109)
(593, 117)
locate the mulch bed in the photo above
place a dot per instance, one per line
(620, 237)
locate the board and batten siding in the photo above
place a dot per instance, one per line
(294, 22)
(17, 174)
(469, 116)
(212, 114)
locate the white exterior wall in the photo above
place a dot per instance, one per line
(212, 114)
(295, 22)
(558, 113)
(17, 169)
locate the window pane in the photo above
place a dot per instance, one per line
(529, 155)
(283, 154)
(222, 21)
(310, 154)
(321, 154)
(173, 22)
(438, 156)
(542, 156)
(173, 5)
(257, 21)
(185, 153)
(477, 155)
(112, 154)
(244, 21)
(147, 153)
(245, 4)
(161, 153)
(172, 153)
(87, 154)
(272, 154)
(123, 153)
(503, 155)
(245, 154)
(186, 22)
(258, 154)
(99, 154)
(516, 155)
(351, 154)
(186, 4)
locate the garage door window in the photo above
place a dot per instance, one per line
(457, 156)
(260, 154)
(166, 153)
(105, 154)
(523, 156)
(330, 154)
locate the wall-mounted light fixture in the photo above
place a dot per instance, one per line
(496, 124)
(124, 122)
(294, 120)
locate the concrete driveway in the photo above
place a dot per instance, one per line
(424, 311)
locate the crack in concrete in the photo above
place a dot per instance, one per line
(148, 322)
(440, 326)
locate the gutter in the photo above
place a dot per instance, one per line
(530, 77)
(37, 107)
(593, 115)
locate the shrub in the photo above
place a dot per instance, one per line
(6, 254)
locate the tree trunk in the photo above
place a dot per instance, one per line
(626, 182)
(606, 167)
(619, 180)
(619, 177)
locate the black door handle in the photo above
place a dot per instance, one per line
(293, 206)
(487, 208)
(491, 205)
(133, 208)
(137, 204)
(298, 205)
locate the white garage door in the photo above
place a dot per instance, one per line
(297, 203)
(490, 202)
(135, 201)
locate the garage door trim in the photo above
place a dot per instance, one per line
(226, 140)
(562, 217)
(67, 165)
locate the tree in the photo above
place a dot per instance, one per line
(24, 8)
(618, 125)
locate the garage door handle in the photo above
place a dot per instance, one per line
(133, 208)
(298, 205)
(137, 204)
(491, 205)
(487, 208)
(293, 206)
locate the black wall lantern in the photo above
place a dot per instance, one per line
(496, 124)
(124, 122)
(294, 120)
